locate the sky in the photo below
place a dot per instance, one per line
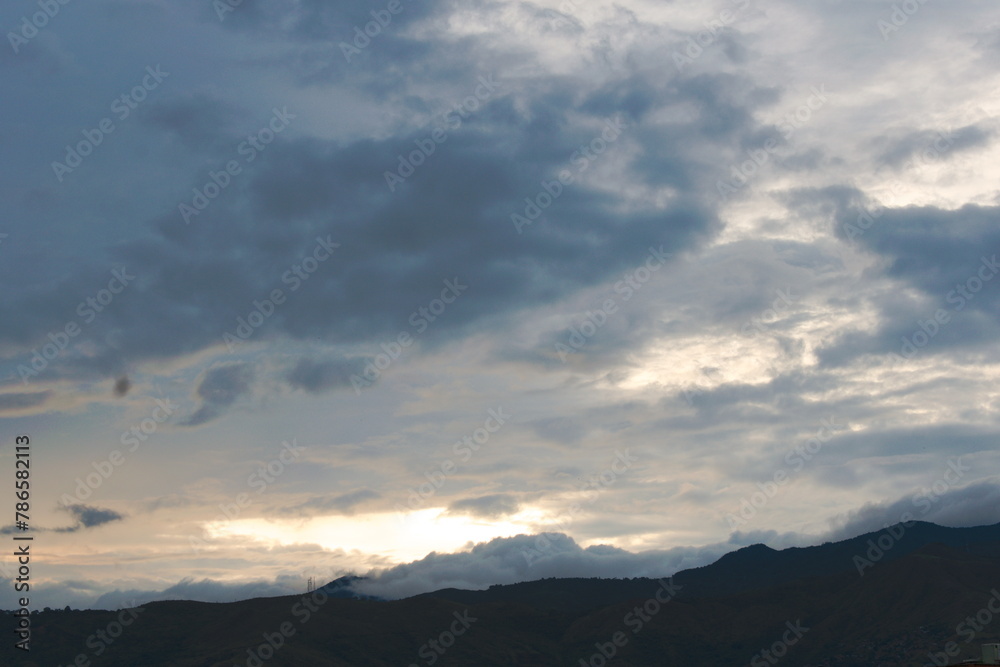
(465, 293)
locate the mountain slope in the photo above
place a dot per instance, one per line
(896, 613)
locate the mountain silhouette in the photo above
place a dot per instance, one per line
(806, 607)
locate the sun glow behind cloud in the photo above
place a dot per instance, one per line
(397, 537)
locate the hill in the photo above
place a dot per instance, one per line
(803, 607)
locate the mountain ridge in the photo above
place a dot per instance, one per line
(903, 610)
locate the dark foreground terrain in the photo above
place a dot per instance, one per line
(755, 607)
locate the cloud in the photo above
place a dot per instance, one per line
(560, 429)
(494, 506)
(530, 557)
(198, 119)
(944, 258)
(220, 387)
(86, 516)
(339, 504)
(91, 517)
(932, 146)
(18, 401)
(452, 219)
(317, 377)
(976, 504)
(510, 560)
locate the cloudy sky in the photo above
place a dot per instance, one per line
(476, 292)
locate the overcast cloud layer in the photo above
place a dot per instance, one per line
(496, 291)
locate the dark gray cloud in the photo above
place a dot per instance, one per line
(942, 502)
(929, 146)
(317, 377)
(561, 429)
(493, 506)
(199, 120)
(932, 248)
(317, 20)
(327, 42)
(219, 388)
(17, 401)
(783, 402)
(450, 220)
(343, 503)
(86, 516)
(91, 517)
(947, 257)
